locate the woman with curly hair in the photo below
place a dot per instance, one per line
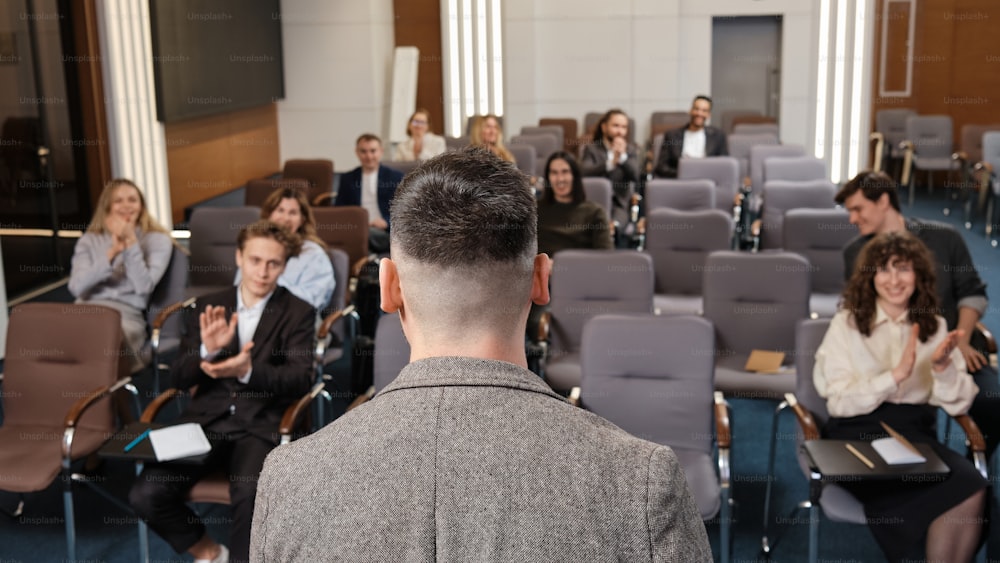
(120, 259)
(888, 357)
(309, 276)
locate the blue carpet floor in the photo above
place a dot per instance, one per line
(108, 534)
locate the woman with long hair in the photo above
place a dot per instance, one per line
(420, 143)
(120, 259)
(611, 156)
(888, 357)
(565, 218)
(486, 132)
(309, 276)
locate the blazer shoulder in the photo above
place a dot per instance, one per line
(390, 173)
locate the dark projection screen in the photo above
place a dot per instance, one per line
(215, 56)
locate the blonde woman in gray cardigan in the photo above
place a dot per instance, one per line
(119, 260)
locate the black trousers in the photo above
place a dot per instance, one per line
(159, 493)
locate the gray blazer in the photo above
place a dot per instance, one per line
(464, 459)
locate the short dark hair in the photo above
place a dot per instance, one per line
(365, 137)
(577, 193)
(872, 185)
(463, 207)
(702, 97)
(291, 242)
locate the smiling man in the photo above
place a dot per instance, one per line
(697, 139)
(371, 186)
(248, 352)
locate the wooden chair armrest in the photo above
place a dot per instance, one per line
(149, 415)
(161, 318)
(293, 414)
(982, 165)
(972, 433)
(90, 399)
(324, 327)
(805, 418)
(544, 326)
(991, 342)
(960, 155)
(640, 226)
(321, 199)
(876, 136)
(362, 398)
(756, 226)
(723, 431)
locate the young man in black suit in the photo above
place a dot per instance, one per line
(697, 139)
(249, 354)
(371, 186)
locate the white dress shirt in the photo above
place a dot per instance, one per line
(694, 144)
(369, 195)
(854, 372)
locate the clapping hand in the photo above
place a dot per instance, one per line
(122, 234)
(909, 358)
(942, 354)
(216, 333)
(619, 147)
(237, 366)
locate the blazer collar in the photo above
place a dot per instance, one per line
(268, 320)
(464, 371)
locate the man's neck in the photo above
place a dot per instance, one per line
(894, 222)
(694, 128)
(369, 170)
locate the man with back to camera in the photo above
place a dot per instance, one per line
(872, 200)
(371, 186)
(467, 455)
(697, 139)
(249, 352)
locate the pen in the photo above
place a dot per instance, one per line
(860, 456)
(138, 439)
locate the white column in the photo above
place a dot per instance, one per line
(136, 139)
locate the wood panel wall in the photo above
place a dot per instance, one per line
(418, 23)
(956, 60)
(210, 156)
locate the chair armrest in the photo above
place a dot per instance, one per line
(321, 199)
(984, 166)
(324, 327)
(974, 437)
(574, 397)
(293, 414)
(991, 342)
(723, 430)
(149, 415)
(362, 398)
(879, 140)
(83, 403)
(162, 317)
(805, 418)
(908, 148)
(960, 155)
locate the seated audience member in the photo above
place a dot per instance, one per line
(487, 133)
(120, 259)
(697, 139)
(371, 186)
(249, 354)
(420, 144)
(611, 156)
(309, 275)
(565, 218)
(471, 456)
(888, 357)
(873, 203)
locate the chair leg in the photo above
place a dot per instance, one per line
(813, 532)
(143, 529)
(68, 515)
(765, 542)
(725, 526)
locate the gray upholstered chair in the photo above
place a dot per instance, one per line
(652, 376)
(760, 153)
(584, 284)
(754, 301)
(165, 327)
(404, 166)
(456, 143)
(969, 153)
(781, 196)
(928, 147)
(837, 503)
(214, 231)
(684, 195)
(891, 123)
(598, 190)
(317, 171)
(391, 355)
(795, 169)
(740, 145)
(820, 235)
(989, 180)
(723, 171)
(544, 143)
(757, 128)
(679, 242)
(525, 159)
(556, 130)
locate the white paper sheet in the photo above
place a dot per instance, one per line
(895, 453)
(176, 442)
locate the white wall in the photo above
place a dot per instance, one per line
(338, 65)
(564, 58)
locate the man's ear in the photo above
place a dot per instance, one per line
(540, 279)
(388, 280)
